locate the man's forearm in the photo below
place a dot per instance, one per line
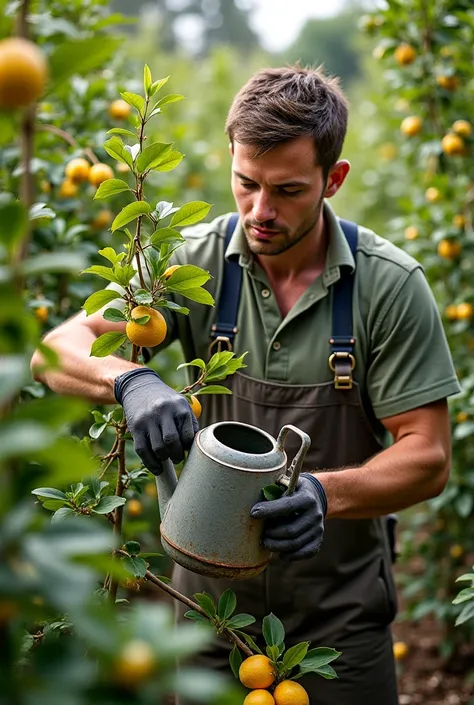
(79, 373)
(408, 472)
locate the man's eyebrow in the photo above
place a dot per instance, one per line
(287, 184)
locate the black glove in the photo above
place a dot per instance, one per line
(294, 524)
(160, 420)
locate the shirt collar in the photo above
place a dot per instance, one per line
(338, 255)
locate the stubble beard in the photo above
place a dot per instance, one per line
(277, 248)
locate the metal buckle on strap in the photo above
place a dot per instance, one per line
(218, 342)
(342, 364)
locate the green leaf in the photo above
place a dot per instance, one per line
(235, 660)
(464, 596)
(197, 617)
(96, 430)
(129, 213)
(188, 276)
(157, 85)
(212, 389)
(107, 343)
(135, 565)
(273, 630)
(111, 187)
(122, 131)
(166, 236)
(147, 79)
(273, 652)
(124, 274)
(152, 156)
(326, 672)
(190, 213)
(227, 604)
(99, 299)
(295, 654)
(49, 492)
(114, 314)
(171, 98)
(239, 621)
(319, 657)
(201, 296)
(194, 363)
(142, 320)
(206, 603)
(110, 254)
(13, 223)
(465, 576)
(116, 149)
(53, 262)
(271, 492)
(80, 57)
(108, 504)
(136, 100)
(62, 513)
(101, 271)
(170, 161)
(132, 547)
(143, 297)
(173, 306)
(250, 641)
(53, 505)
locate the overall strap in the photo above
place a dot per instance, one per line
(224, 330)
(342, 360)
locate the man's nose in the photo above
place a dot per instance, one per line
(263, 209)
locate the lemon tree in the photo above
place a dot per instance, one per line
(425, 50)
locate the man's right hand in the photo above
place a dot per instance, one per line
(160, 420)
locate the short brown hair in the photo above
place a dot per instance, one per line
(280, 104)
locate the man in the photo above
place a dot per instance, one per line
(344, 341)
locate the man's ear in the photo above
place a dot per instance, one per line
(336, 177)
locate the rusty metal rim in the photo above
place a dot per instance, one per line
(282, 465)
(206, 560)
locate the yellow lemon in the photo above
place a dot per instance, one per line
(99, 173)
(259, 697)
(463, 128)
(77, 170)
(134, 507)
(451, 312)
(23, 72)
(68, 189)
(152, 333)
(119, 109)
(404, 54)
(449, 249)
(102, 220)
(453, 145)
(464, 311)
(411, 125)
(256, 672)
(400, 650)
(290, 693)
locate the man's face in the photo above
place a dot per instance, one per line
(279, 196)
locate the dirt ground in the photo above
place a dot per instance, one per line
(423, 678)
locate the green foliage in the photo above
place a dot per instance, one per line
(433, 82)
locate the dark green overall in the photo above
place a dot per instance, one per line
(345, 596)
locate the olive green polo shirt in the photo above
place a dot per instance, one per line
(402, 356)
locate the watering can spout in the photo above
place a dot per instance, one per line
(166, 483)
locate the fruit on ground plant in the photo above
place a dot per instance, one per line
(99, 173)
(259, 697)
(135, 663)
(290, 693)
(119, 109)
(148, 334)
(256, 672)
(196, 406)
(23, 72)
(78, 170)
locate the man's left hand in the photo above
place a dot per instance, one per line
(294, 524)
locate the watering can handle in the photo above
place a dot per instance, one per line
(290, 478)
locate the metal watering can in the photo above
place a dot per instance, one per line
(205, 517)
